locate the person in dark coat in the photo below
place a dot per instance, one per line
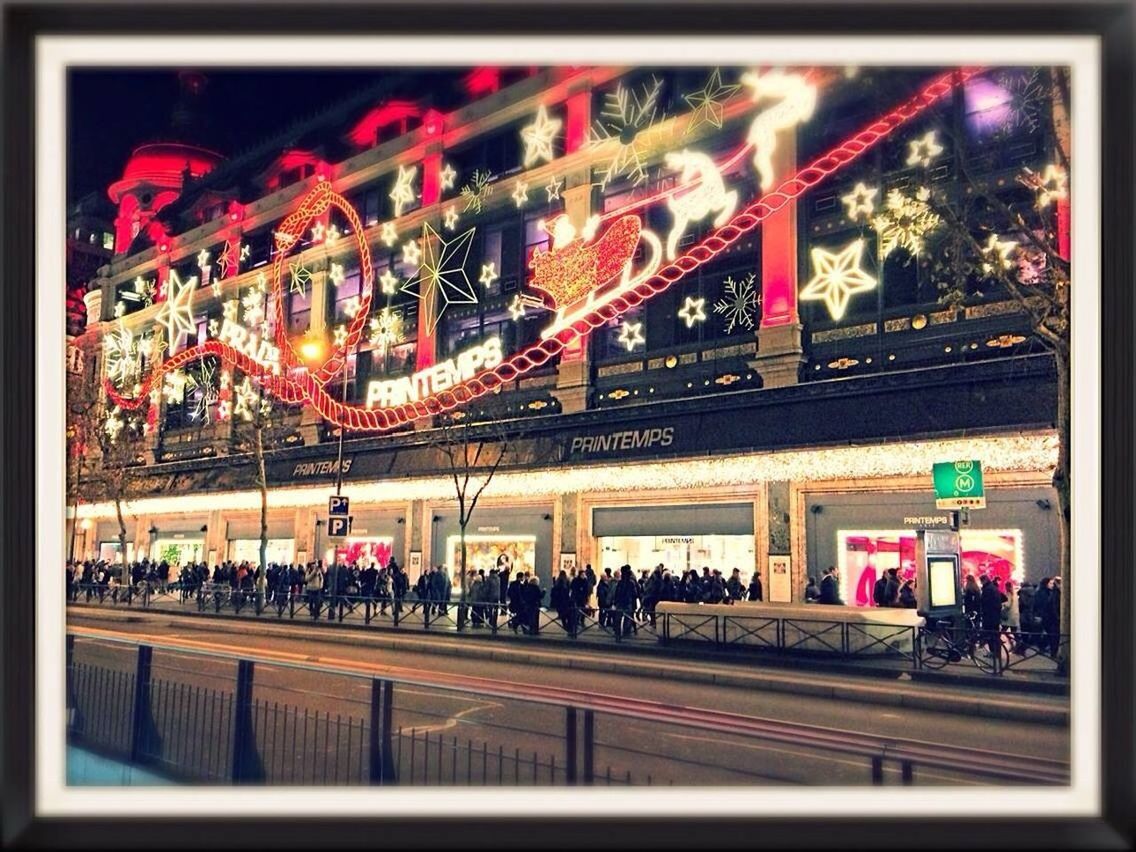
(516, 604)
(990, 604)
(971, 599)
(891, 590)
(624, 598)
(603, 597)
(734, 587)
(1051, 618)
(755, 590)
(578, 589)
(560, 599)
(532, 596)
(879, 590)
(830, 588)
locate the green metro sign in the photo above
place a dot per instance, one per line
(958, 485)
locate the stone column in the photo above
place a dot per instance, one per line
(778, 541)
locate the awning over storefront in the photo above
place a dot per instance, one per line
(706, 519)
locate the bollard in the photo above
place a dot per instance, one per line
(589, 747)
(245, 768)
(908, 771)
(140, 715)
(570, 743)
(878, 771)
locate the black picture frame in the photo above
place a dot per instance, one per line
(1112, 21)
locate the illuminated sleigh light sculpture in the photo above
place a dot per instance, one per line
(573, 276)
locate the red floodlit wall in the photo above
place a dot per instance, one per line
(365, 133)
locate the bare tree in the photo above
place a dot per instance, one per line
(83, 400)
(1019, 245)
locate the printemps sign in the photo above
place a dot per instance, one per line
(586, 278)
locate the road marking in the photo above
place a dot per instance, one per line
(451, 722)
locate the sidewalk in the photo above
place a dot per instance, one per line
(989, 698)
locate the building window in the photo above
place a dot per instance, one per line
(108, 241)
(351, 288)
(300, 309)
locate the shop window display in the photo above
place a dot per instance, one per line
(678, 553)
(362, 551)
(484, 552)
(867, 554)
(177, 551)
(280, 550)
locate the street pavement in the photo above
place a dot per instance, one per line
(494, 740)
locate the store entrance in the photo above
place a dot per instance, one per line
(678, 553)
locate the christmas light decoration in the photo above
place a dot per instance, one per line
(517, 307)
(244, 399)
(388, 234)
(253, 303)
(520, 194)
(837, 277)
(538, 137)
(443, 272)
(121, 360)
(707, 196)
(488, 274)
(176, 312)
(450, 218)
(225, 259)
(739, 302)
(575, 267)
(389, 282)
(860, 201)
(708, 103)
(626, 124)
(1051, 185)
(204, 382)
(317, 232)
(446, 176)
(119, 309)
(411, 253)
(301, 276)
(114, 424)
(351, 306)
(386, 329)
(996, 254)
(692, 311)
(224, 411)
(477, 191)
(904, 222)
(631, 335)
(145, 289)
(245, 251)
(797, 99)
(339, 337)
(403, 192)
(1034, 452)
(553, 189)
(333, 234)
(923, 151)
(203, 258)
(1028, 95)
(336, 275)
(230, 309)
(173, 389)
(307, 385)
(214, 328)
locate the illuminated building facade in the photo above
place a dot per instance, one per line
(703, 306)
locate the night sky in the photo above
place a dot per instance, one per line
(112, 111)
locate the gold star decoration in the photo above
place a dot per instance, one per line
(538, 137)
(351, 306)
(1051, 185)
(450, 218)
(631, 335)
(442, 272)
(336, 275)
(708, 103)
(244, 399)
(388, 281)
(403, 192)
(388, 234)
(411, 253)
(229, 310)
(692, 311)
(488, 274)
(837, 277)
(203, 258)
(904, 222)
(339, 338)
(119, 309)
(214, 328)
(176, 313)
(446, 176)
(225, 259)
(997, 254)
(922, 151)
(173, 386)
(333, 235)
(520, 194)
(860, 201)
(553, 189)
(301, 276)
(317, 232)
(517, 307)
(245, 250)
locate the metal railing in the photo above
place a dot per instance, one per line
(219, 717)
(905, 645)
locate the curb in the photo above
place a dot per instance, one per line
(912, 697)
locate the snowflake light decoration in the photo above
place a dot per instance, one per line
(1027, 99)
(386, 329)
(739, 302)
(904, 222)
(628, 118)
(477, 190)
(538, 137)
(122, 358)
(837, 277)
(708, 103)
(403, 192)
(443, 272)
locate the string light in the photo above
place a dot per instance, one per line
(860, 201)
(692, 311)
(923, 151)
(708, 195)
(403, 192)
(538, 137)
(837, 277)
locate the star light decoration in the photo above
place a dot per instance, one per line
(173, 386)
(386, 329)
(403, 192)
(253, 303)
(628, 118)
(538, 137)
(923, 151)
(245, 400)
(450, 217)
(488, 274)
(442, 272)
(996, 254)
(520, 194)
(351, 306)
(225, 259)
(205, 382)
(203, 258)
(708, 103)
(446, 176)
(114, 424)
(905, 221)
(837, 277)
(1051, 185)
(411, 253)
(861, 201)
(739, 302)
(245, 251)
(176, 312)
(553, 189)
(301, 276)
(119, 309)
(692, 311)
(631, 335)
(388, 234)
(388, 281)
(339, 338)
(336, 274)
(333, 235)
(478, 190)
(517, 307)
(145, 289)
(317, 232)
(121, 360)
